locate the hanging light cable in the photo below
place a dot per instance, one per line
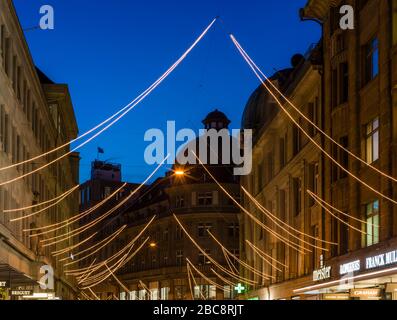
(308, 119)
(308, 135)
(80, 230)
(276, 220)
(316, 197)
(46, 208)
(297, 247)
(213, 261)
(242, 263)
(41, 203)
(128, 107)
(77, 217)
(120, 116)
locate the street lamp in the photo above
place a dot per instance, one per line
(179, 173)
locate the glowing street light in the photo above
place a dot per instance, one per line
(152, 244)
(179, 173)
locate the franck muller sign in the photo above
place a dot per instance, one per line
(381, 260)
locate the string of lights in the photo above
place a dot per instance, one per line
(338, 218)
(122, 112)
(116, 255)
(242, 263)
(313, 124)
(45, 208)
(265, 254)
(223, 279)
(112, 237)
(41, 203)
(297, 247)
(77, 217)
(266, 260)
(314, 196)
(117, 280)
(89, 283)
(247, 59)
(82, 229)
(213, 261)
(189, 280)
(63, 251)
(202, 275)
(275, 220)
(229, 262)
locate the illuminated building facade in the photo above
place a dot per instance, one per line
(199, 204)
(357, 84)
(36, 115)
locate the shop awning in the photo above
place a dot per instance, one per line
(14, 277)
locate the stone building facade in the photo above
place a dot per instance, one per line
(357, 85)
(36, 115)
(160, 267)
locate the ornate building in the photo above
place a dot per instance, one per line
(36, 115)
(199, 204)
(356, 88)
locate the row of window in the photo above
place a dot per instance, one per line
(205, 291)
(162, 259)
(266, 170)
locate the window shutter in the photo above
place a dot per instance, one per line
(215, 197)
(194, 198)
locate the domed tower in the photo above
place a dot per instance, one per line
(216, 120)
(222, 169)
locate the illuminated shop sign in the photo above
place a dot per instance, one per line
(381, 260)
(372, 262)
(3, 284)
(365, 293)
(350, 267)
(19, 293)
(322, 274)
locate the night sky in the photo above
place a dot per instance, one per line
(108, 52)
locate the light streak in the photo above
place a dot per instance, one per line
(275, 234)
(189, 280)
(62, 251)
(204, 276)
(46, 208)
(247, 266)
(104, 216)
(195, 282)
(118, 281)
(77, 217)
(118, 265)
(338, 218)
(116, 255)
(274, 219)
(229, 262)
(273, 216)
(122, 111)
(41, 203)
(114, 236)
(314, 196)
(265, 254)
(246, 58)
(93, 293)
(308, 119)
(223, 279)
(238, 277)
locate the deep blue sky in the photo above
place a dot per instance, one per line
(110, 51)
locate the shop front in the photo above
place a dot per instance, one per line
(367, 274)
